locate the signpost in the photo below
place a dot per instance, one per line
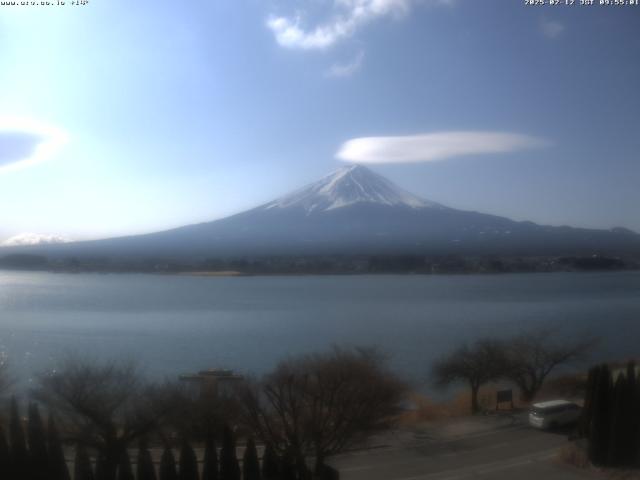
(504, 396)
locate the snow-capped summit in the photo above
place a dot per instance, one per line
(349, 185)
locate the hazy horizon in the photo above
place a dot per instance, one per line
(26, 238)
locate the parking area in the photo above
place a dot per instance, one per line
(491, 448)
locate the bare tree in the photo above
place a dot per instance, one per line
(532, 356)
(194, 414)
(478, 364)
(6, 381)
(103, 406)
(319, 405)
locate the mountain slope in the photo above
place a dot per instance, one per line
(355, 211)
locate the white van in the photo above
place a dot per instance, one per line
(553, 414)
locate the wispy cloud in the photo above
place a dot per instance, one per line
(432, 147)
(551, 28)
(341, 70)
(347, 17)
(25, 142)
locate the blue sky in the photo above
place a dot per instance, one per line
(122, 117)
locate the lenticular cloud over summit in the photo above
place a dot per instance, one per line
(433, 147)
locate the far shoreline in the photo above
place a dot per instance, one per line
(212, 273)
(239, 274)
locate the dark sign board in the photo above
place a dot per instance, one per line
(504, 396)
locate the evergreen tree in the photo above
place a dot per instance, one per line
(82, 465)
(58, 469)
(619, 422)
(125, 472)
(145, 468)
(101, 467)
(288, 469)
(600, 425)
(229, 467)
(19, 452)
(587, 412)
(250, 462)
(188, 463)
(210, 467)
(632, 434)
(5, 456)
(635, 449)
(168, 465)
(270, 464)
(328, 473)
(631, 412)
(38, 457)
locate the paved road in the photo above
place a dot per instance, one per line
(516, 452)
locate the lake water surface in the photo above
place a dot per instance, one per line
(177, 324)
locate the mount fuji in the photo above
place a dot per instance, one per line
(353, 211)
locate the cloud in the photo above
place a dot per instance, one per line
(431, 147)
(551, 28)
(25, 142)
(349, 15)
(341, 70)
(33, 239)
(15, 146)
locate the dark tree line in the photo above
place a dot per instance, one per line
(105, 407)
(308, 409)
(35, 452)
(611, 416)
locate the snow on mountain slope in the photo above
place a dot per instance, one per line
(33, 239)
(353, 184)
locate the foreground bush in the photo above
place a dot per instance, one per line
(315, 406)
(611, 416)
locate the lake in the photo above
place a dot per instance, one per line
(178, 324)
